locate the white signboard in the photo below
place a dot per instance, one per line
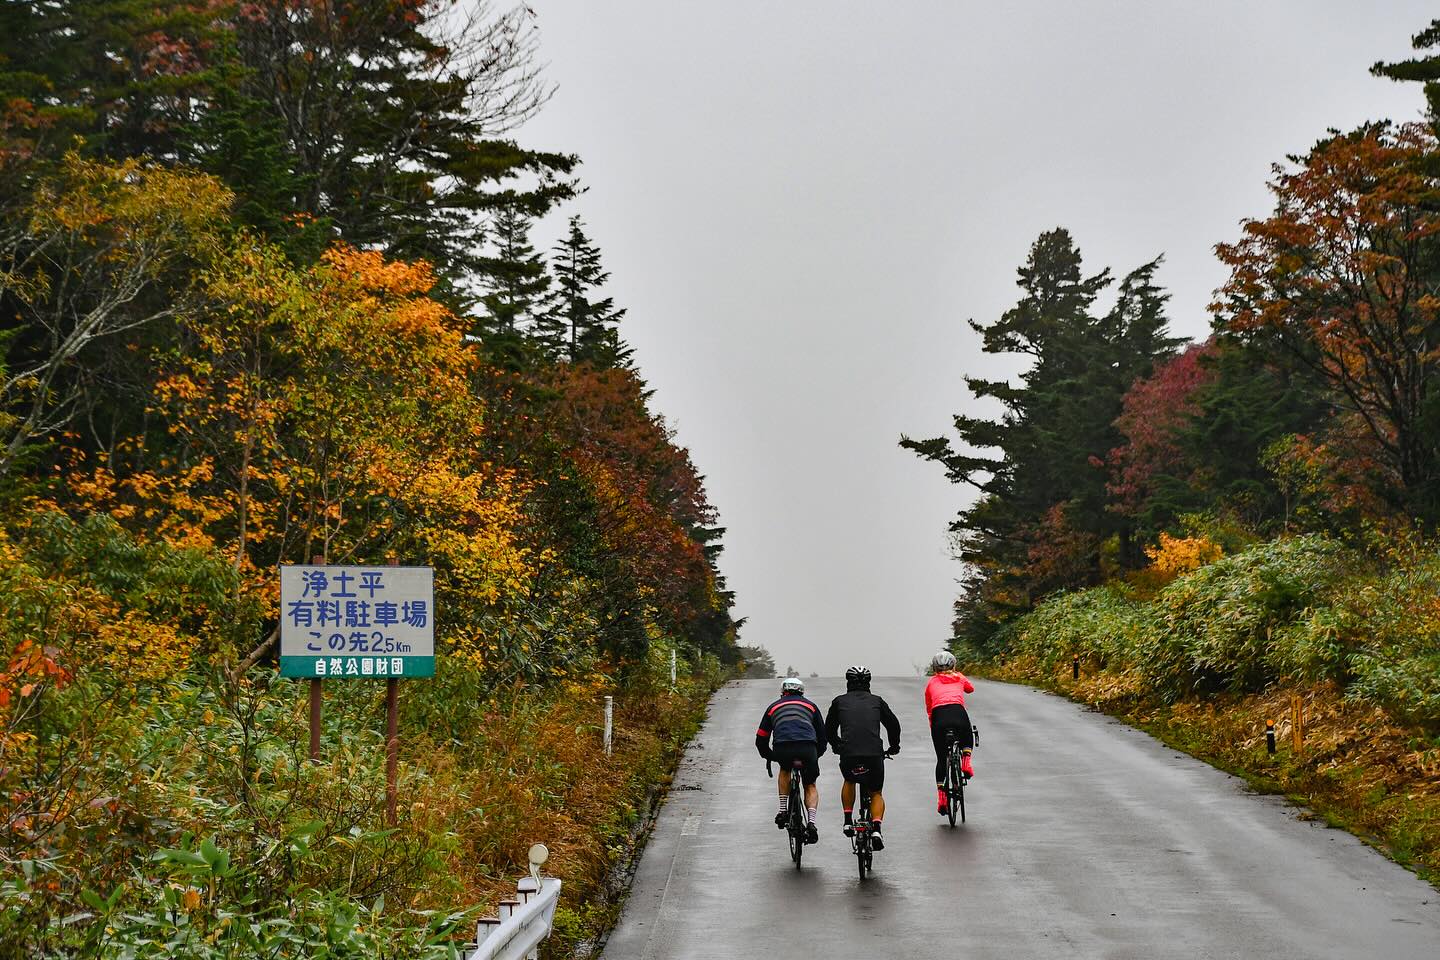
(364, 623)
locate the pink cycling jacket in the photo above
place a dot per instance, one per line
(946, 688)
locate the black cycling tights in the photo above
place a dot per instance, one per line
(950, 716)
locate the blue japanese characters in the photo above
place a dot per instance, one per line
(361, 622)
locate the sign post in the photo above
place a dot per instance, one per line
(316, 695)
(362, 623)
(392, 740)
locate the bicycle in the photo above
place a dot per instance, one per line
(862, 835)
(954, 779)
(795, 827)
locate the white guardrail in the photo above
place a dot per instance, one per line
(522, 923)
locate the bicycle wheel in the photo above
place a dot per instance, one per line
(797, 843)
(960, 800)
(862, 851)
(952, 777)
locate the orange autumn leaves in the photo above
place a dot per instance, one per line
(1340, 276)
(324, 411)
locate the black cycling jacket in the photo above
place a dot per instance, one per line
(791, 719)
(854, 721)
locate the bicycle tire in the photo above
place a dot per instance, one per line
(960, 800)
(860, 855)
(952, 778)
(796, 827)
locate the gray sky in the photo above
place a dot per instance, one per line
(801, 203)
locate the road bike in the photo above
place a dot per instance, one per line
(954, 778)
(863, 835)
(796, 826)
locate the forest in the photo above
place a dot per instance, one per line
(269, 294)
(1190, 533)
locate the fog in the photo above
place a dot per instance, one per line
(802, 203)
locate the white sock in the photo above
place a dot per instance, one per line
(784, 803)
(811, 812)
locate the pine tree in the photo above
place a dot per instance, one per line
(1040, 518)
(1424, 70)
(585, 330)
(382, 121)
(517, 289)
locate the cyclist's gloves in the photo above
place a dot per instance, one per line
(894, 749)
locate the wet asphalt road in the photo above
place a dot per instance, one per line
(1085, 839)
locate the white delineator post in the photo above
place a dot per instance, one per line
(609, 723)
(672, 669)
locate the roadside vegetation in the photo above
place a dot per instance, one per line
(1209, 529)
(268, 294)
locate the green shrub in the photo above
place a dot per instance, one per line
(1406, 686)
(1099, 625)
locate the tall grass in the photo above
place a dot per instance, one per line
(1293, 609)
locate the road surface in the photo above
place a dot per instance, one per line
(1085, 838)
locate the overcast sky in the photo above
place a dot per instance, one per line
(802, 203)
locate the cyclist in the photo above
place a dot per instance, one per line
(945, 706)
(791, 730)
(853, 726)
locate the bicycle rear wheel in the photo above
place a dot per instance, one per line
(952, 779)
(797, 836)
(796, 826)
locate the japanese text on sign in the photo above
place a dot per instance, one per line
(357, 621)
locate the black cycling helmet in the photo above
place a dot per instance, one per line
(857, 676)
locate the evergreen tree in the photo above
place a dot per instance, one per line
(1424, 70)
(1251, 402)
(1040, 518)
(382, 121)
(581, 329)
(517, 290)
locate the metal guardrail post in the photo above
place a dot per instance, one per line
(522, 924)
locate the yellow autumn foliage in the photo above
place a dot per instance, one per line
(1174, 556)
(142, 651)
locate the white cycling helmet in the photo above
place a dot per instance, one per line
(792, 685)
(944, 660)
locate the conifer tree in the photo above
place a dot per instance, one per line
(1040, 518)
(587, 327)
(1424, 70)
(517, 290)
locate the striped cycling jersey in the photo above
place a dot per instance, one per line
(792, 719)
